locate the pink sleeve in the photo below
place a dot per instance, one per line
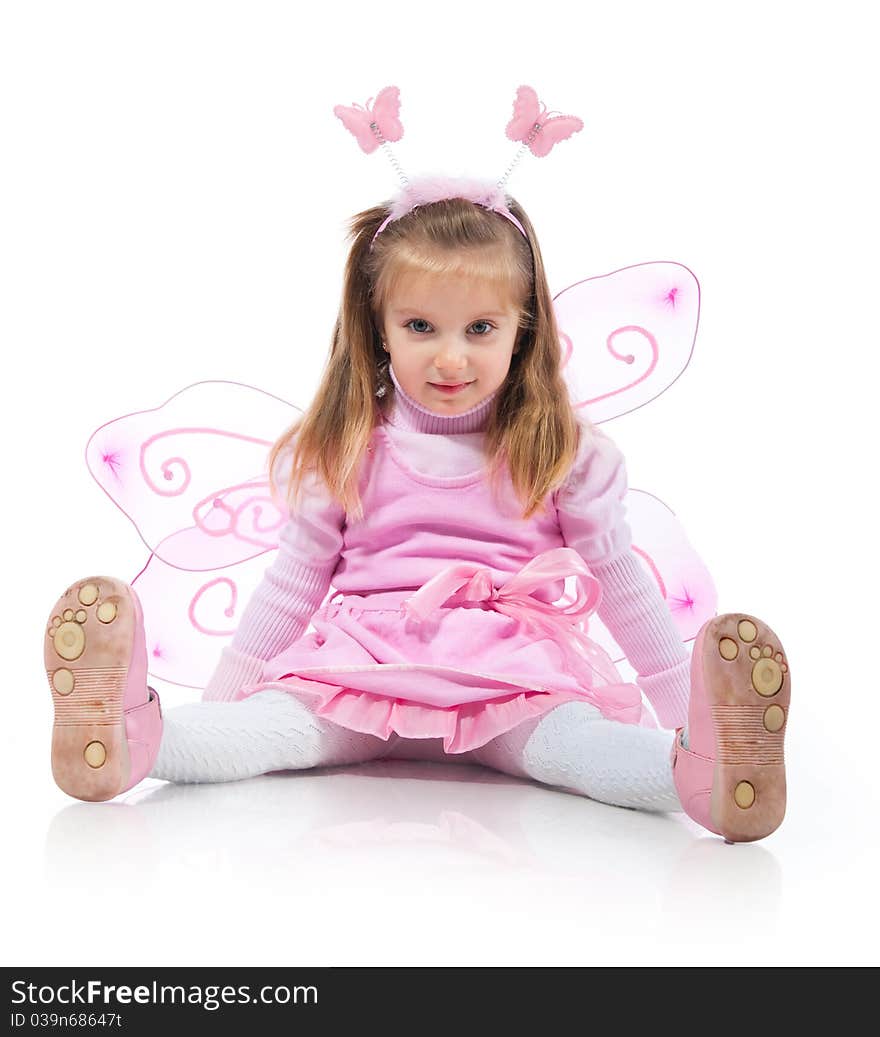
(592, 517)
(589, 504)
(292, 589)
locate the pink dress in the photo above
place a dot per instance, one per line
(447, 622)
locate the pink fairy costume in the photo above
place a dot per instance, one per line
(449, 622)
(191, 476)
(446, 624)
(453, 618)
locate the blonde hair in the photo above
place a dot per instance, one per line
(531, 430)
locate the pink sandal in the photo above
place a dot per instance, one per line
(731, 778)
(108, 722)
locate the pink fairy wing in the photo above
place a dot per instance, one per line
(386, 110)
(357, 122)
(627, 336)
(553, 130)
(191, 474)
(660, 543)
(526, 108)
(190, 616)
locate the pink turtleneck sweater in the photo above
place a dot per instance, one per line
(591, 516)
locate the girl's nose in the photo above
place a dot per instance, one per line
(450, 357)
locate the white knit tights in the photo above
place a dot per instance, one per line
(572, 747)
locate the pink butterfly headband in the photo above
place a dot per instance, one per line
(531, 125)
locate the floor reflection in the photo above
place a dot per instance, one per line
(403, 818)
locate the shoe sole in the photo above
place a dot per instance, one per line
(747, 683)
(88, 651)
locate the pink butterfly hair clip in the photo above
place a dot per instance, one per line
(376, 125)
(535, 128)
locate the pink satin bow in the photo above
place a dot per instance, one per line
(561, 623)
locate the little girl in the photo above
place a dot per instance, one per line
(443, 484)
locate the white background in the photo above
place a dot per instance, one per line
(174, 193)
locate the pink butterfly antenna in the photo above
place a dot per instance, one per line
(375, 124)
(535, 128)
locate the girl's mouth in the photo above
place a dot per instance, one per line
(450, 390)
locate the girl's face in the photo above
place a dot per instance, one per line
(449, 332)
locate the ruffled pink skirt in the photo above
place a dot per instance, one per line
(466, 673)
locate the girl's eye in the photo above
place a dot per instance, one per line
(420, 321)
